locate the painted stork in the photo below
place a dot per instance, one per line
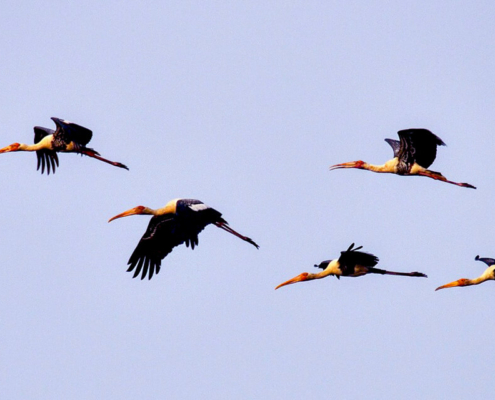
(350, 263)
(489, 274)
(413, 154)
(181, 220)
(67, 138)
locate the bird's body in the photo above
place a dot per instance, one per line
(67, 138)
(180, 221)
(413, 154)
(489, 274)
(351, 263)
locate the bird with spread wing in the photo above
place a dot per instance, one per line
(180, 221)
(67, 138)
(413, 154)
(351, 263)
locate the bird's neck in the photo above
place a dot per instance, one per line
(331, 269)
(170, 208)
(390, 166)
(30, 147)
(476, 281)
(150, 211)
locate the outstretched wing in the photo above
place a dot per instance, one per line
(70, 132)
(350, 258)
(395, 144)
(46, 158)
(163, 234)
(40, 133)
(418, 145)
(487, 261)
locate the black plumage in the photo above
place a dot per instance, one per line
(351, 263)
(395, 144)
(167, 231)
(413, 154)
(417, 146)
(67, 132)
(180, 221)
(67, 138)
(45, 157)
(487, 261)
(350, 258)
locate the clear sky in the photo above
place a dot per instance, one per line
(245, 105)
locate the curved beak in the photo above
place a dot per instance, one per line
(132, 211)
(299, 278)
(449, 285)
(350, 164)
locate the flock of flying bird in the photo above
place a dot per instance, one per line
(181, 220)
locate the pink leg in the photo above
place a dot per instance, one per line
(227, 228)
(384, 272)
(442, 178)
(92, 154)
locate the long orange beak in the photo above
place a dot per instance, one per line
(11, 147)
(350, 164)
(449, 285)
(133, 211)
(298, 278)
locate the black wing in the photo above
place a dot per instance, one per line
(323, 264)
(395, 144)
(418, 145)
(70, 132)
(46, 158)
(163, 234)
(487, 261)
(350, 258)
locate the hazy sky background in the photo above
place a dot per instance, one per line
(245, 105)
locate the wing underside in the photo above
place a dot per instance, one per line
(46, 158)
(163, 234)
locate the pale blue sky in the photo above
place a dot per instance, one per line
(245, 105)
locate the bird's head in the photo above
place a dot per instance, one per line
(459, 282)
(12, 147)
(299, 278)
(139, 210)
(351, 164)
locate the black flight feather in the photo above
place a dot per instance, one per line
(419, 146)
(487, 261)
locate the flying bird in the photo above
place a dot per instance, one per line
(489, 274)
(413, 154)
(350, 263)
(180, 221)
(67, 138)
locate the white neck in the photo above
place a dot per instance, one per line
(31, 147)
(479, 280)
(331, 269)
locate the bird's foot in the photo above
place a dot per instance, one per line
(120, 165)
